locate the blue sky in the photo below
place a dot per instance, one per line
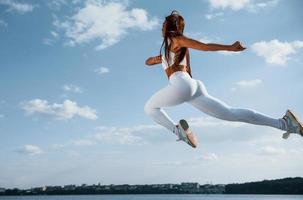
(73, 86)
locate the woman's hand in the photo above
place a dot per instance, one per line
(237, 46)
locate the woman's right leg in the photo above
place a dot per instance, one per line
(166, 97)
(216, 108)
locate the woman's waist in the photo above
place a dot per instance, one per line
(180, 77)
(176, 68)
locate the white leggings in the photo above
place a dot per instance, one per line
(182, 88)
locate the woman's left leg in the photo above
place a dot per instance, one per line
(216, 108)
(166, 97)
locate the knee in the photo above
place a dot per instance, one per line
(148, 109)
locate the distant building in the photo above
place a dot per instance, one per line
(69, 187)
(190, 186)
(121, 187)
(52, 188)
(133, 187)
(212, 189)
(36, 190)
(168, 186)
(162, 186)
(107, 187)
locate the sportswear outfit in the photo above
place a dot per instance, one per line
(183, 88)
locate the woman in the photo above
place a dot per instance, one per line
(183, 88)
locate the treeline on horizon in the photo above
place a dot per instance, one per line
(278, 186)
(292, 186)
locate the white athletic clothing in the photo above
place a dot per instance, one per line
(170, 62)
(166, 64)
(182, 88)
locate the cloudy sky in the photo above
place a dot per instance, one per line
(73, 86)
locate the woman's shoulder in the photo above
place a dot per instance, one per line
(178, 41)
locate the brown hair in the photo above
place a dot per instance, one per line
(174, 27)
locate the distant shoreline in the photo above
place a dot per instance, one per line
(285, 186)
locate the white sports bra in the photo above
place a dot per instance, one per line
(166, 64)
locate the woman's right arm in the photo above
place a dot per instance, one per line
(153, 60)
(183, 41)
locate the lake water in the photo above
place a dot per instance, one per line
(157, 197)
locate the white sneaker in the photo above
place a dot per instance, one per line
(293, 124)
(185, 134)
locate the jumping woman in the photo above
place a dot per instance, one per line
(183, 88)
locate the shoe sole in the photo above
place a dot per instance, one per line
(298, 120)
(185, 127)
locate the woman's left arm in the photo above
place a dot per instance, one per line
(183, 41)
(153, 60)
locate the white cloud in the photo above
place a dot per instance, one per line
(123, 136)
(296, 151)
(211, 16)
(102, 70)
(265, 4)
(198, 160)
(269, 150)
(30, 150)
(135, 135)
(54, 34)
(212, 122)
(72, 88)
(276, 52)
(76, 142)
(249, 83)
(50, 40)
(232, 4)
(250, 5)
(209, 157)
(246, 84)
(67, 110)
(205, 40)
(228, 53)
(120, 138)
(57, 4)
(2, 23)
(202, 37)
(171, 163)
(47, 41)
(105, 21)
(82, 142)
(21, 8)
(211, 130)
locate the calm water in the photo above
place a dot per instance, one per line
(157, 197)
